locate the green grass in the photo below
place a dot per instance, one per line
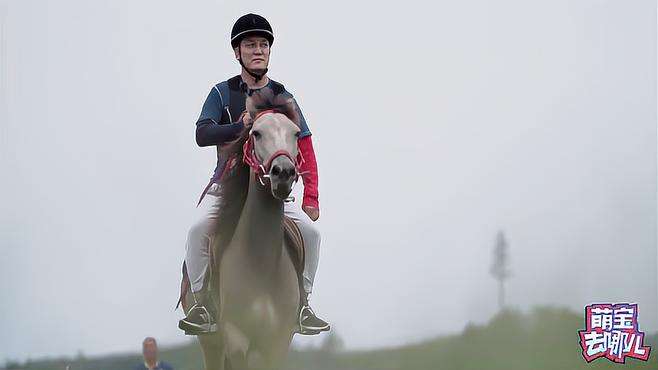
(545, 338)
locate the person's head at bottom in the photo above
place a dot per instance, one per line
(150, 352)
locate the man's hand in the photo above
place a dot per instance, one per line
(245, 117)
(312, 212)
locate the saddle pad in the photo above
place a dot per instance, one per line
(295, 243)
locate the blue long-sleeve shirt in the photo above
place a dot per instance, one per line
(159, 366)
(215, 126)
(210, 133)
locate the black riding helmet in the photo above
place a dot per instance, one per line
(251, 25)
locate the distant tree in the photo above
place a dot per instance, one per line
(500, 267)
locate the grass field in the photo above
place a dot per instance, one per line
(545, 338)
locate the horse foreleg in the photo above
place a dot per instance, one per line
(274, 352)
(237, 346)
(213, 347)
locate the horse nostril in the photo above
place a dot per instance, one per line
(282, 173)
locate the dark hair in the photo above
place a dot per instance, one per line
(276, 98)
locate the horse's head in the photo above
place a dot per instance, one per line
(271, 152)
(271, 149)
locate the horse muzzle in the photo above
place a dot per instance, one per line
(282, 175)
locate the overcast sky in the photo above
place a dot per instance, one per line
(435, 125)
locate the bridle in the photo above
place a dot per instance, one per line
(262, 169)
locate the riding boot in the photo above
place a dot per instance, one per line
(309, 323)
(201, 318)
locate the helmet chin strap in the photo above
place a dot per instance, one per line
(257, 76)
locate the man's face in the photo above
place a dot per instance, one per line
(150, 351)
(255, 52)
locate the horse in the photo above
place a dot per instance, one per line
(257, 282)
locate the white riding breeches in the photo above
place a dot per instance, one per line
(200, 235)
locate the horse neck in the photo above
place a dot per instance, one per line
(260, 227)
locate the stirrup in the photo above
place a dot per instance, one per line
(301, 329)
(194, 329)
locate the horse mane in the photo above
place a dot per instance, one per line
(268, 99)
(233, 190)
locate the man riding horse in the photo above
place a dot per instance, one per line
(251, 39)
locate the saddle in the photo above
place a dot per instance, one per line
(294, 243)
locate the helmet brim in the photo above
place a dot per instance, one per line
(235, 41)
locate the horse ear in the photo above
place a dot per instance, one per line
(250, 104)
(251, 107)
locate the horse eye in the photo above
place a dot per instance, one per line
(297, 133)
(256, 134)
